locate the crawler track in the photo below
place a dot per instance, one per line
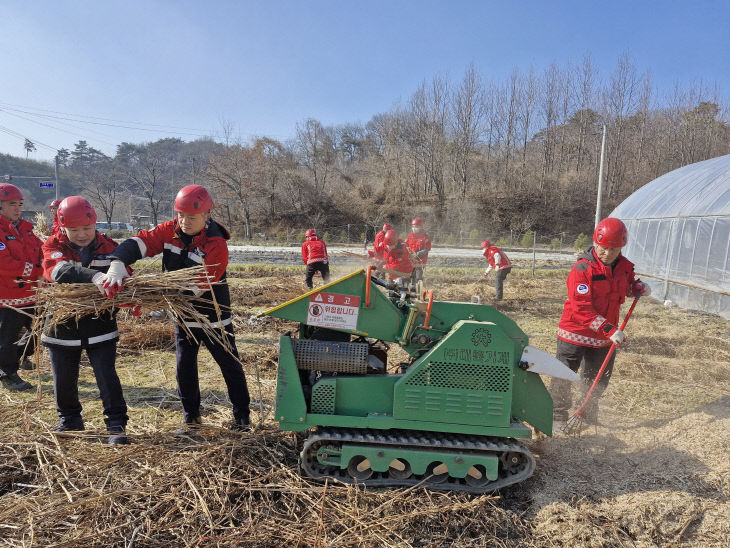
(516, 463)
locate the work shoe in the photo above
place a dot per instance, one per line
(27, 365)
(241, 425)
(70, 424)
(15, 383)
(190, 425)
(117, 435)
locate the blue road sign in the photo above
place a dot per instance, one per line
(46, 184)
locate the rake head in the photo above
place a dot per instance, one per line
(575, 423)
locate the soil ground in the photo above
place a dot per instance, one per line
(655, 472)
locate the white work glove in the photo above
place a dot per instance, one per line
(98, 281)
(114, 278)
(618, 337)
(195, 290)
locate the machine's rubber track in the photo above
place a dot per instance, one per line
(516, 461)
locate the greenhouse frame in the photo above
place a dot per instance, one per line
(679, 235)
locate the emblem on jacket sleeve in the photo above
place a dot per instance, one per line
(582, 289)
(2, 246)
(56, 255)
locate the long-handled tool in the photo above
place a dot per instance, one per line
(575, 422)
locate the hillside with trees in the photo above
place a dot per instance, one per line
(472, 156)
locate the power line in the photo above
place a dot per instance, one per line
(58, 128)
(21, 136)
(136, 128)
(100, 118)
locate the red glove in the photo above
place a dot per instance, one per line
(639, 288)
(136, 309)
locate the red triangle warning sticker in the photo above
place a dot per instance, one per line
(318, 298)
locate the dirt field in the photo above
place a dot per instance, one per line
(655, 473)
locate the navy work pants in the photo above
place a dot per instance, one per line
(12, 345)
(188, 387)
(65, 366)
(312, 269)
(591, 359)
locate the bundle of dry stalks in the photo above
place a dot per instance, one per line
(59, 303)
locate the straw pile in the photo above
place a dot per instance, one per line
(59, 303)
(220, 489)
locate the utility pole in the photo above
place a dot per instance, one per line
(56, 173)
(600, 177)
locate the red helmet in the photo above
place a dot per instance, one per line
(54, 203)
(76, 211)
(417, 222)
(310, 232)
(193, 199)
(610, 232)
(390, 239)
(486, 244)
(387, 227)
(9, 193)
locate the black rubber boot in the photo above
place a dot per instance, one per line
(190, 426)
(70, 424)
(15, 383)
(241, 425)
(117, 435)
(27, 365)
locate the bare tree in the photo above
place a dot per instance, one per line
(468, 119)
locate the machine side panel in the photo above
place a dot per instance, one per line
(465, 379)
(366, 395)
(290, 404)
(531, 401)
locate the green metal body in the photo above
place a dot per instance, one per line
(464, 378)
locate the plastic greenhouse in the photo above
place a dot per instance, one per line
(679, 235)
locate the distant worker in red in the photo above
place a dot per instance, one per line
(496, 260)
(20, 268)
(378, 253)
(597, 286)
(53, 206)
(397, 258)
(314, 255)
(419, 242)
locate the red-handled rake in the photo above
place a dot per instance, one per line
(575, 422)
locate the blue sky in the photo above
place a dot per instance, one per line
(266, 66)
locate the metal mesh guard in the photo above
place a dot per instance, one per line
(323, 399)
(340, 357)
(462, 376)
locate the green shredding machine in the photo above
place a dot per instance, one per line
(449, 417)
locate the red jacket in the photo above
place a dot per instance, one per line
(20, 263)
(595, 294)
(420, 244)
(63, 263)
(314, 250)
(208, 248)
(504, 261)
(378, 252)
(398, 258)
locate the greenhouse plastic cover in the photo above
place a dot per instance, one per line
(679, 235)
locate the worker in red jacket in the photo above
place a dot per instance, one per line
(597, 286)
(496, 260)
(193, 238)
(79, 254)
(53, 206)
(314, 255)
(419, 242)
(378, 253)
(20, 268)
(397, 258)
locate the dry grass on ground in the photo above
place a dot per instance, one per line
(655, 473)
